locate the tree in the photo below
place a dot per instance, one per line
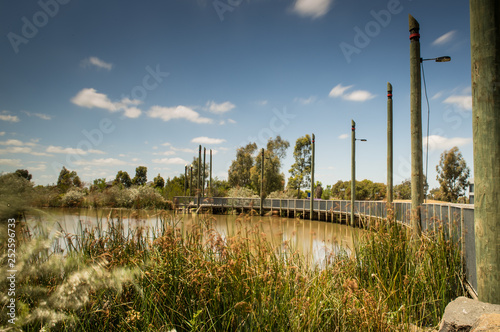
(158, 182)
(99, 184)
(301, 169)
(24, 174)
(274, 180)
(403, 190)
(122, 178)
(68, 179)
(452, 174)
(239, 171)
(141, 177)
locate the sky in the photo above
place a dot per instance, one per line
(103, 86)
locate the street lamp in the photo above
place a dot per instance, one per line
(438, 59)
(353, 167)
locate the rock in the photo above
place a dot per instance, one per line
(462, 313)
(487, 323)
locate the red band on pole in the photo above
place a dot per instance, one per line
(389, 95)
(414, 35)
(353, 128)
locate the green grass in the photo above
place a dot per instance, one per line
(197, 280)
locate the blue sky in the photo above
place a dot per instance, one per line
(103, 86)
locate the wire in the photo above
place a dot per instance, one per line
(428, 121)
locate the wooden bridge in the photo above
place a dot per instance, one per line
(456, 219)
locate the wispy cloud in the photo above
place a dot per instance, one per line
(463, 102)
(305, 101)
(59, 149)
(207, 140)
(344, 136)
(219, 108)
(437, 142)
(261, 102)
(164, 153)
(39, 115)
(170, 161)
(177, 112)
(437, 95)
(2, 133)
(187, 150)
(5, 116)
(101, 162)
(90, 98)
(357, 95)
(231, 121)
(11, 162)
(96, 62)
(312, 8)
(447, 37)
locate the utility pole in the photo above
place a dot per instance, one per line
(199, 175)
(353, 169)
(417, 190)
(262, 183)
(204, 170)
(389, 145)
(210, 183)
(485, 66)
(311, 212)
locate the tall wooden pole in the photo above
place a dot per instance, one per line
(353, 169)
(204, 170)
(485, 58)
(262, 183)
(191, 181)
(210, 183)
(311, 212)
(389, 144)
(417, 188)
(185, 178)
(198, 186)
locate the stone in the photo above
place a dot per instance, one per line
(462, 313)
(487, 323)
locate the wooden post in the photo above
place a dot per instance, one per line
(389, 145)
(262, 183)
(485, 66)
(417, 190)
(210, 183)
(353, 169)
(199, 174)
(204, 170)
(311, 210)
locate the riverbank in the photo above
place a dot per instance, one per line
(201, 280)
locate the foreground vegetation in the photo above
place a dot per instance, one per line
(190, 278)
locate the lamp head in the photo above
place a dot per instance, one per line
(443, 59)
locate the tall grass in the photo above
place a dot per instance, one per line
(195, 279)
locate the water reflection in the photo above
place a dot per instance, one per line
(316, 240)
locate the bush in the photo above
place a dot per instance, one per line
(73, 198)
(241, 192)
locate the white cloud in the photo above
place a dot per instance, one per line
(463, 102)
(165, 153)
(95, 61)
(11, 162)
(59, 149)
(261, 102)
(343, 136)
(170, 161)
(222, 122)
(90, 98)
(10, 118)
(304, 101)
(445, 38)
(2, 133)
(14, 142)
(39, 115)
(166, 144)
(231, 121)
(356, 95)
(101, 162)
(207, 140)
(177, 112)
(184, 150)
(40, 167)
(16, 149)
(219, 108)
(312, 8)
(437, 142)
(437, 95)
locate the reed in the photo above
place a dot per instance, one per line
(191, 278)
